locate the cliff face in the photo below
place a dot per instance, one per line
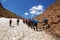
(6, 13)
(53, 15)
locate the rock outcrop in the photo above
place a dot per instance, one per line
(52, 13)
(7, 14)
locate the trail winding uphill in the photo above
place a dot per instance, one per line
(21, 32)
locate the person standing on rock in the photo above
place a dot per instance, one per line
(10, 22)
(17, 21)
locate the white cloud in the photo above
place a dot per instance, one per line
(26, 13)
(35, 10)
(39, 7)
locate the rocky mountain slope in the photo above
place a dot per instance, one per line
(5, 13)
(52, 13)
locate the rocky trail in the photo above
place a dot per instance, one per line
(21, 32)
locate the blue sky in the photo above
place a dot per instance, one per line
(27, 8)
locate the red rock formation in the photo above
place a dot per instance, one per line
(53, 15)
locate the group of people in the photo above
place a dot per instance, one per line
(33, 23)
(10, 22)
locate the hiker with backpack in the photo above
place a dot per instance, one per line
(10, 22)
(35, 22)
(17, 21)
(45, 21)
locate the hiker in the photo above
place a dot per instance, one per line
(29, 23)
(35, 22)
(10, 22)
(23, 21)
(17, 21)
(45, 21)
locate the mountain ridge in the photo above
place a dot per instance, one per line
(52, 13)
(7, 14)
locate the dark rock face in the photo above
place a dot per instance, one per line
(53, 15)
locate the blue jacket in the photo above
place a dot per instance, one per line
(35, 21)
(45, 20)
